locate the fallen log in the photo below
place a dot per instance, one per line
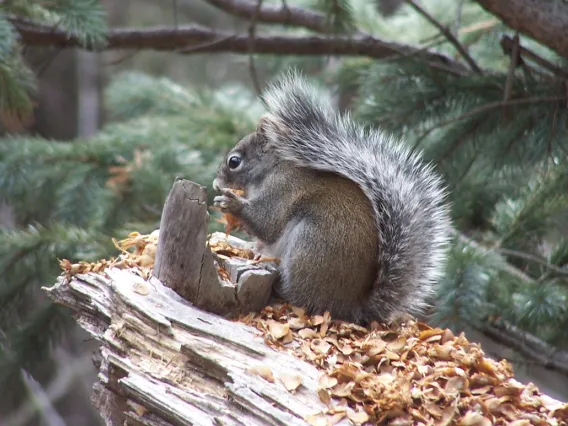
(183, 365)
(168, 357)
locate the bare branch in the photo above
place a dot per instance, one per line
(511, 72)
(252, 32)
(448, 34)
(271, 14)
(528, 345)
(197, 39)
(508, 45)
(532, 258)
(543, 20)
(507, 267)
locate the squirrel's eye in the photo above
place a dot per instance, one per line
(234, 162)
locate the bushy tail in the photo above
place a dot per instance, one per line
(407, 195)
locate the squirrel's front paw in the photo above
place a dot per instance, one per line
(229, 202)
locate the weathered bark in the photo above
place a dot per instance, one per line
(544, 20)
(166, 362)
(183, 261)
(185, 264)
(283, 14)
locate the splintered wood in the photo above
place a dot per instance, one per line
(414, 375)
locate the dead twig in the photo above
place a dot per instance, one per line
(511, 72)
(448, 34)
(532, 258)
(190, 39)
(252, 68)
(508, 44)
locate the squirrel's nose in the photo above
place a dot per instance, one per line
(216, 186)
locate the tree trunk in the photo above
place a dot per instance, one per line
(546, 21)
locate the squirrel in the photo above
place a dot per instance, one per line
(359, 222)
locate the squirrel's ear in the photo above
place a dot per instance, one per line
(271, 128)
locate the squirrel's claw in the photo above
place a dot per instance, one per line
(229, 202)
(229, 193)
(221, 202)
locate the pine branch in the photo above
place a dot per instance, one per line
(197, 39)
(448, 34)
(559, 254)
(522, 222)
(532, 258)
(269, 14)
(499, 104)
(86, 19)
(7, 39)
(507, 267)
(338, 15)
(17, 83)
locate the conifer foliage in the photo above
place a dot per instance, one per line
(499, 136)
(85, 19)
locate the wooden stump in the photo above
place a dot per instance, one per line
(185, 264)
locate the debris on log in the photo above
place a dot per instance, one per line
(165, 360)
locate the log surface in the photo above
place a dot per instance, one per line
(165, 362)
